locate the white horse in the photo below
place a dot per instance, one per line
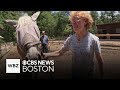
(28, 36)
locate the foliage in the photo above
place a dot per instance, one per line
(56, 24)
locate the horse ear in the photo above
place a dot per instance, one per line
(12, 22)
(35, 15)
(1, 37)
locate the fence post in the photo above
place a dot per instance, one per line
(108, 36)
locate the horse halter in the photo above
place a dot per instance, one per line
(32, 44)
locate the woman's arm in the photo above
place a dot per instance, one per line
(52, 54)
(55, 54)
(99, 56)
(100, 63)
(60, 52)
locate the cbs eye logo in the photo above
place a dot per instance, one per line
(12, 65)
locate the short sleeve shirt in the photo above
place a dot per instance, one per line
(44, 39)
(82, 51)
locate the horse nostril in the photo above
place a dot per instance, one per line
(46, 58)
(39, 57)
(26, 58)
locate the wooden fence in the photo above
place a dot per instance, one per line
(107, 35)
(56, 42)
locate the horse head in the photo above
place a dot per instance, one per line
(28, 36)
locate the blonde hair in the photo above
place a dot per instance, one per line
(83, 14)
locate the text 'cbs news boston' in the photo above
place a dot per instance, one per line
(15, 66)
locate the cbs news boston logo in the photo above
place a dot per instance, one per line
(13, 66)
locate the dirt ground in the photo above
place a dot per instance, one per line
(63, 64)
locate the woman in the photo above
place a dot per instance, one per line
(83, 45)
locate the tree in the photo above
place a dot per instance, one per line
(111, 16)
(46, 22)
(103, 17)
(62, 20)
(95, 17)
(8, 30)
(68, 30)
(118, 16)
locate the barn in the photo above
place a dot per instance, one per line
(112, 29)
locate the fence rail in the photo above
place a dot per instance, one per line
(57, 42)
(107, 35)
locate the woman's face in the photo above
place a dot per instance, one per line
(78, 24)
